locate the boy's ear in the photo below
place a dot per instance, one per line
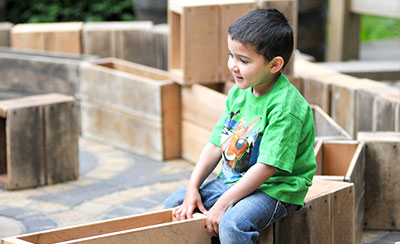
(276, 64)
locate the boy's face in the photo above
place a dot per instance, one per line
(249, 68)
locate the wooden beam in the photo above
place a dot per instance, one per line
(387, 8)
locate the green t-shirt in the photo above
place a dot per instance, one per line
(275, 129)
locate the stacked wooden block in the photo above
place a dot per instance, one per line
(196, 25)
(325, 218)
(39, 141)
(5, 29)
(131, 106)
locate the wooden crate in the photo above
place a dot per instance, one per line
(344, 160)
(195, 25)
(382, 167)
(56, 37)
(150, 228)
(131, 106)
(327, 216)
(39, 141)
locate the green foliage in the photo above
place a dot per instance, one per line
(376, 28)
(40, 11)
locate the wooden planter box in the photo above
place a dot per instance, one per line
(56, 37)
(151, 228)
(38, 141)
(25, 73)
(382, 167)
(344, 160)
(131, 106)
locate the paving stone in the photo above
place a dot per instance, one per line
(38, 224)
(10, 227)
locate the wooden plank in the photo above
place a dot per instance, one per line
(61, 150)
(123, 130)
(317, 92)
(161, 33)
(325, 125)
(342, 208)
(382, 164)
(228, 13)
(136, 88)
(338, 156)
(364, 108)
(200, 29)
(383, 114)
(56, 37)
(318, 156)
(202, 106)
(388, 8)
(171, 121)
(194, 138)
(25, 144)
(3, 148)
(343, 107)
(267, 235)
(5, 36)
(397, 117)
(344, 28)
(310, 225)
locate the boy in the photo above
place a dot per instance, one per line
(265, 138)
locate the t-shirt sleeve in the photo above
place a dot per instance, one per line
(280, 141)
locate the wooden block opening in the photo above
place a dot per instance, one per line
(99, 228)
(175, 41)
(137, 70)
(334, 158)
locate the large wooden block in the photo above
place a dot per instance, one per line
(38, 145)
(56, 37)
(344, 160)
(382, 166)
(26, 73)
(317, 92)
(5, 37)
(383, 114)
(104, 38)
(148, 228)
(343, 107)
(145, 101)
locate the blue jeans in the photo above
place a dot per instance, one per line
(242, 222)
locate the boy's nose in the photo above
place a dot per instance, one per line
(232, 66)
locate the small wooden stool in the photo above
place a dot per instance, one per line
(38, 141)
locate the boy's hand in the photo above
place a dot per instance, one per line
(191, 202)
(213, 219)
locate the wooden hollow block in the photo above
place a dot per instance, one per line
(56, 37)
(325, 126)
(197, 41)
(39, 141)
(343, 106)
(383, 114)
(141, 96)
(317, 92)
(104, 38)
(382, 164)
(345, 161)
(148, 228)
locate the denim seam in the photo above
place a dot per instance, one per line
(273, 214)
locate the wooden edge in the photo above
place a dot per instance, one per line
(329, 119)
(13, 240)
(355, 159)
(379, 136)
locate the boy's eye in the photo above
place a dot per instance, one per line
(230, 54)
(243, 61)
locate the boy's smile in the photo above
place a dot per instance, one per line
(250, 68)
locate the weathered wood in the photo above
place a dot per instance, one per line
(383, 114)
(267, 235)
(325, 126)
(142, 95)
(317, 92)
(56, 37)
(194, 138)
(382, 165)
(5, 37)
(104, 38)
(61, 149)
(342, 208)
(38, 146)
(343, 107)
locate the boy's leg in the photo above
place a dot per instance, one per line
(242, 221)
(210, 191)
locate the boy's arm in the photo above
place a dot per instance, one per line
(209, 157)
(251, 180)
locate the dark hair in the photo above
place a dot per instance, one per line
(267, 30)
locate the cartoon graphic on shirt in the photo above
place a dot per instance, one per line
(239, 145)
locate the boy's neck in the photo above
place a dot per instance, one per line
(267, 89)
